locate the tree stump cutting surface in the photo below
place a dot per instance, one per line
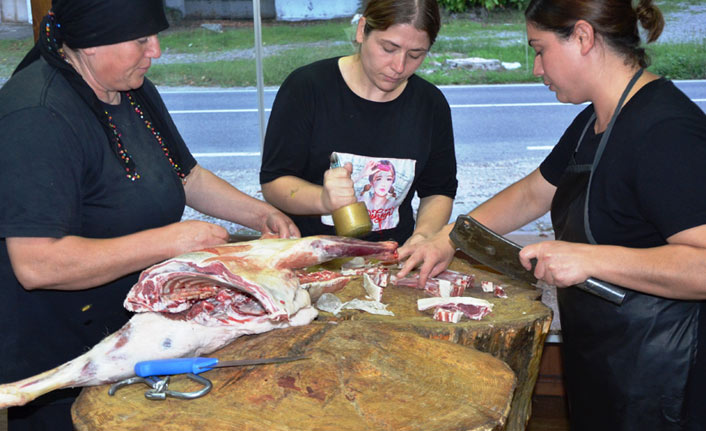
(360, 376)
(514, 332)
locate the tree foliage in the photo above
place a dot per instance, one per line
(465, 5)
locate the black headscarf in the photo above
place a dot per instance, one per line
(89, 23)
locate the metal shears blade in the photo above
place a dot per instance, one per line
(257, 361)
(166, 367)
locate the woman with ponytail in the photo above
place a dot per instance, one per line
(94, 177)
(625, 185)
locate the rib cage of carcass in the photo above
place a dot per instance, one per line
(197, 303)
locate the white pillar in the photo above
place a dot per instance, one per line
(258, 70)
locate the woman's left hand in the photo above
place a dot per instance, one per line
(559, 263)
(278, 225)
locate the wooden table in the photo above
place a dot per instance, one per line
(407, 372)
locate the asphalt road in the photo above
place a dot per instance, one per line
(502, 132)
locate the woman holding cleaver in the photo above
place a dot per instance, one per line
(625, 186)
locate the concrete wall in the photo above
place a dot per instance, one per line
(299, 10)
(176, 4)
(15, 11)
(225, 9)
(285, 10)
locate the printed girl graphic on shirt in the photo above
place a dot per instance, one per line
(382, 183)
(379, 194)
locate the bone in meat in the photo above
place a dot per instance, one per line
(199, 302)
(320, 282)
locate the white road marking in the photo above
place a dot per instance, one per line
(237, 154)
(215, 111)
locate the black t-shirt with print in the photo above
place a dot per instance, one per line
(315, 113)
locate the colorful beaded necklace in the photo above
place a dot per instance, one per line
(123, 152)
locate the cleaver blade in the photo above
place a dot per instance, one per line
(501, 254)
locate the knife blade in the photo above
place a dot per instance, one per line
(167, 367)
(241, 237)
(501, 254)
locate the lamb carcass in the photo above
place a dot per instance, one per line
(198, 302)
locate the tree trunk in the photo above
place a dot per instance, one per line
(514, 332)
(39, 9)
(358, 376)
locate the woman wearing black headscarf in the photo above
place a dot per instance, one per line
(94, 177)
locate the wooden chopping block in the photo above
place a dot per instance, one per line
(358, 377)
(514, 332)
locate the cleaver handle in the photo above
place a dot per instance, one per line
(603, 289)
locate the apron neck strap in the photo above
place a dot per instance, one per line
(601, 147)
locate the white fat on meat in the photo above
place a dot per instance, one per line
(372, 289)
(197, 303)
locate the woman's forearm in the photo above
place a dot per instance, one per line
(433, 214)
(518, 204)
(75, 263)
(294, 195)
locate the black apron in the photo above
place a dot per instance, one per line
(627, 367)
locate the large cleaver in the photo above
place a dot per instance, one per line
(501, 254)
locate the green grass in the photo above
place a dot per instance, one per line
(193, 40)
(11, 53)
(502, 38)
(679, 60)
(667, 6)
(499, 35)
(241, 73)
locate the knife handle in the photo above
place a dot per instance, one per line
(168, 367)
(603, 289)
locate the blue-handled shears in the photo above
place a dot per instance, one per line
(149, 373)
(167, 367)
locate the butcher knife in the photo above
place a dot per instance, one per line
(168, 367)
(501, 254)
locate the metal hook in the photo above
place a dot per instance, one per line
(160, 387)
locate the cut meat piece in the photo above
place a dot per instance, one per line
(447, 283)
(464, 281)
(199, 302)
(380, 274)
(444, 315)
(473, 308)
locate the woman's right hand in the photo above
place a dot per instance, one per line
(192, 235)
(338, 188)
